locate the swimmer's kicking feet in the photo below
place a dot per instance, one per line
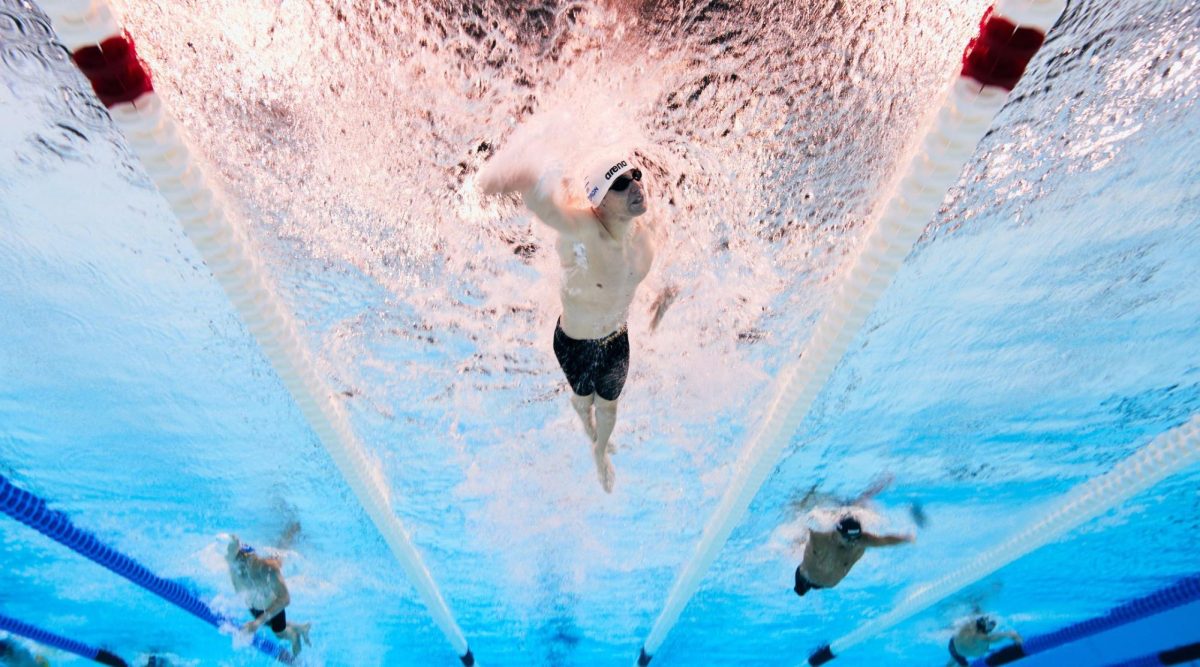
(605, 252)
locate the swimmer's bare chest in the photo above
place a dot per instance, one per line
(828, 560)
(599, 270)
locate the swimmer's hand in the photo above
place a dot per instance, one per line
(252, 627)
(661, 303)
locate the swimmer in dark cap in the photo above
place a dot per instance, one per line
(974, 639)
(828, 556)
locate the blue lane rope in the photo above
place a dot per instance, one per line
(1182, 592)
(48, 638)
(32, 511)
(1176, 656)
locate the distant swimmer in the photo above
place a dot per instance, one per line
(605, 252)
(974, 639)
(260, 582)
(13, 654)
(829, 555)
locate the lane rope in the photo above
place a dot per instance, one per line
(1010, 33)
(1184, 591)
(32, 511)
(106, 54)
(47, 638)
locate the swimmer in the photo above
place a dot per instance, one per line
(974, 639)
(13, 654)
(260, 582)
(605, 252)
(828, 556)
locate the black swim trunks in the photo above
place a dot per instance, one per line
(803, 585)
(278, 622)
(958, 657)
(596, 366)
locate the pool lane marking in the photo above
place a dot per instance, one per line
(106, 54)
(992, 63)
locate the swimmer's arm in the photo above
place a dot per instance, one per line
(541, 195)
(231, 549)
(501, 182)
(663, 301)
(282, 599)
(995, 637)
(886, 540)
(544, 198)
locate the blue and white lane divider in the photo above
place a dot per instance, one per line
(47, 638)
(32, 511)
(1187, 654)
(1184, 591)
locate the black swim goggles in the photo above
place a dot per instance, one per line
(850, 529)
(623, 181)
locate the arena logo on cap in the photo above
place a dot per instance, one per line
(614, 169)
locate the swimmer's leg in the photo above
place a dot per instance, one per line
(583, 407)
(606, 419)
(295, 633)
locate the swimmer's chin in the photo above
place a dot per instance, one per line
(637, 209)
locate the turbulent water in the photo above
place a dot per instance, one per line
(1045, 326)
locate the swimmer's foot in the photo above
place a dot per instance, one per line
(298, 633)
(604, 466)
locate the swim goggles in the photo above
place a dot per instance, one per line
(623, 181)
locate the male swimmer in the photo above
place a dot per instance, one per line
(260, 581)
(974, 639)
(606, 250)
(829, 554)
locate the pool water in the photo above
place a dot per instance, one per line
(1044, 328)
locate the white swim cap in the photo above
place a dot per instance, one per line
(599, 179)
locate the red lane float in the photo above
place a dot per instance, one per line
(113, 67)
(1000, 53)
(105, 53)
